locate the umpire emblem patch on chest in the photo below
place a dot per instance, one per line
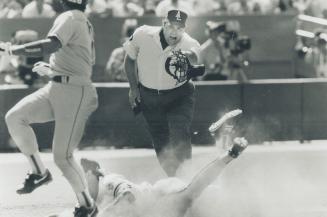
(177, 66)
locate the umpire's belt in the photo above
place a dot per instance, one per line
(156, 91)
(74, 80)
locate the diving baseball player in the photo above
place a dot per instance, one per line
(169, 197)
(68, 99)
(161, 89)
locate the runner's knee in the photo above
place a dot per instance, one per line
(14, 117)
(61, 160)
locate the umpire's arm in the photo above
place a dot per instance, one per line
(130, 69)
(192, 56)
(193, 52)
(131, 72)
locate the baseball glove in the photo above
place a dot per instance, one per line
(179, 67)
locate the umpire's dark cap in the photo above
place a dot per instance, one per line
(177, 17)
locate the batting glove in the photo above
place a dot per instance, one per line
(42, 68)
(5, 48)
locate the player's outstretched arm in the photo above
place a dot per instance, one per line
(33, 49)
(209, 173)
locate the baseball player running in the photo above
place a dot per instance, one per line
(169, 197)
(68, 99)
(160, 86)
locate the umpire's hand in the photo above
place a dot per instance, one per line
(135, 100)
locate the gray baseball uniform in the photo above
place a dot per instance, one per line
(68, 100)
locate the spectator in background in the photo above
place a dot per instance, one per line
(97, 8)
(149, 7)
(10, 9)
(37, 8)
(263, 6)
(209, 7)
(25, 2)
(115, 65)
(166, 5)
(18, 69)
(317, 8)
(8, 66)
(221, 9)
(286, 6)
(3, 5)
(316, 53)
(125, 8)
(301, 5)
(243, 7)
(224, 53)
(213, 52)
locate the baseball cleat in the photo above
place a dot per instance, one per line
(83, 211)
(90, 165)
(239, 144)
(227, 116)
(33, 181)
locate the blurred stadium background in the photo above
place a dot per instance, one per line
(282, 101)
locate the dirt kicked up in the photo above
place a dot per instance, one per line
(277, 180)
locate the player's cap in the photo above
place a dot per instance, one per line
(177, 17)
(216, 26)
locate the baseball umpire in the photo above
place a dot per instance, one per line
(160, 87)
(68, 99)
